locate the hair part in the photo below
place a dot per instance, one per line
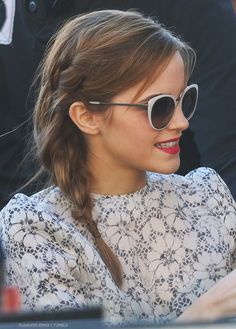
(94, 57)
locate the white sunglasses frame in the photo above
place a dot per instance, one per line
(177, 101)
(149, 106)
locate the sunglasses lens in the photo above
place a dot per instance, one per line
(189, 102)
(162, 111)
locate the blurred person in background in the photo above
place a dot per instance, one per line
(234, 5)
(26, 28)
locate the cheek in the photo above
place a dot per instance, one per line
(137, 138)
(131, 128)
(142, 129)
(138, 121)
(137, 128)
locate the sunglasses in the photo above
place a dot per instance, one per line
(162, 107)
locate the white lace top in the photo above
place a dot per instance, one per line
(175, 238)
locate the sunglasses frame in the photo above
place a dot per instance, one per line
(149, 106)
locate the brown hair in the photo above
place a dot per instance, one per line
(93, 57)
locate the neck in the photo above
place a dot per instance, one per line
(115, 182)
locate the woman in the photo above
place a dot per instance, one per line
(112, 105)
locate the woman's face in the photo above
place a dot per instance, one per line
(128, 142)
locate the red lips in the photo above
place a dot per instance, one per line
(170, 149)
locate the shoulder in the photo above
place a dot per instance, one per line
(198, 177)
(203, 181)
(202, 192)
(41, 211)
(51, 200)
(202, 175)
(208, 180)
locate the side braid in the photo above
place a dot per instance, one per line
(83, 213)
(108, 256)
(56, 148)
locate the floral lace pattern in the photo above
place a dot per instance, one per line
(175, 238)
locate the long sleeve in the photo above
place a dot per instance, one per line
(52, 264)
(221, 203)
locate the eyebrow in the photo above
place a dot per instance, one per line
(145, 100)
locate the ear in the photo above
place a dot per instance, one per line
(84, 120)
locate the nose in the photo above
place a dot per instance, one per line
(178, 120)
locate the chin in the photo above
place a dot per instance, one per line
(168, 168)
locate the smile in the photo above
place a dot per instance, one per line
(167, 145)
(171, 147)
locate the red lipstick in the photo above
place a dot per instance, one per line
(170, 146)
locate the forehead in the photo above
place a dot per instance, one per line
(171, 80)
